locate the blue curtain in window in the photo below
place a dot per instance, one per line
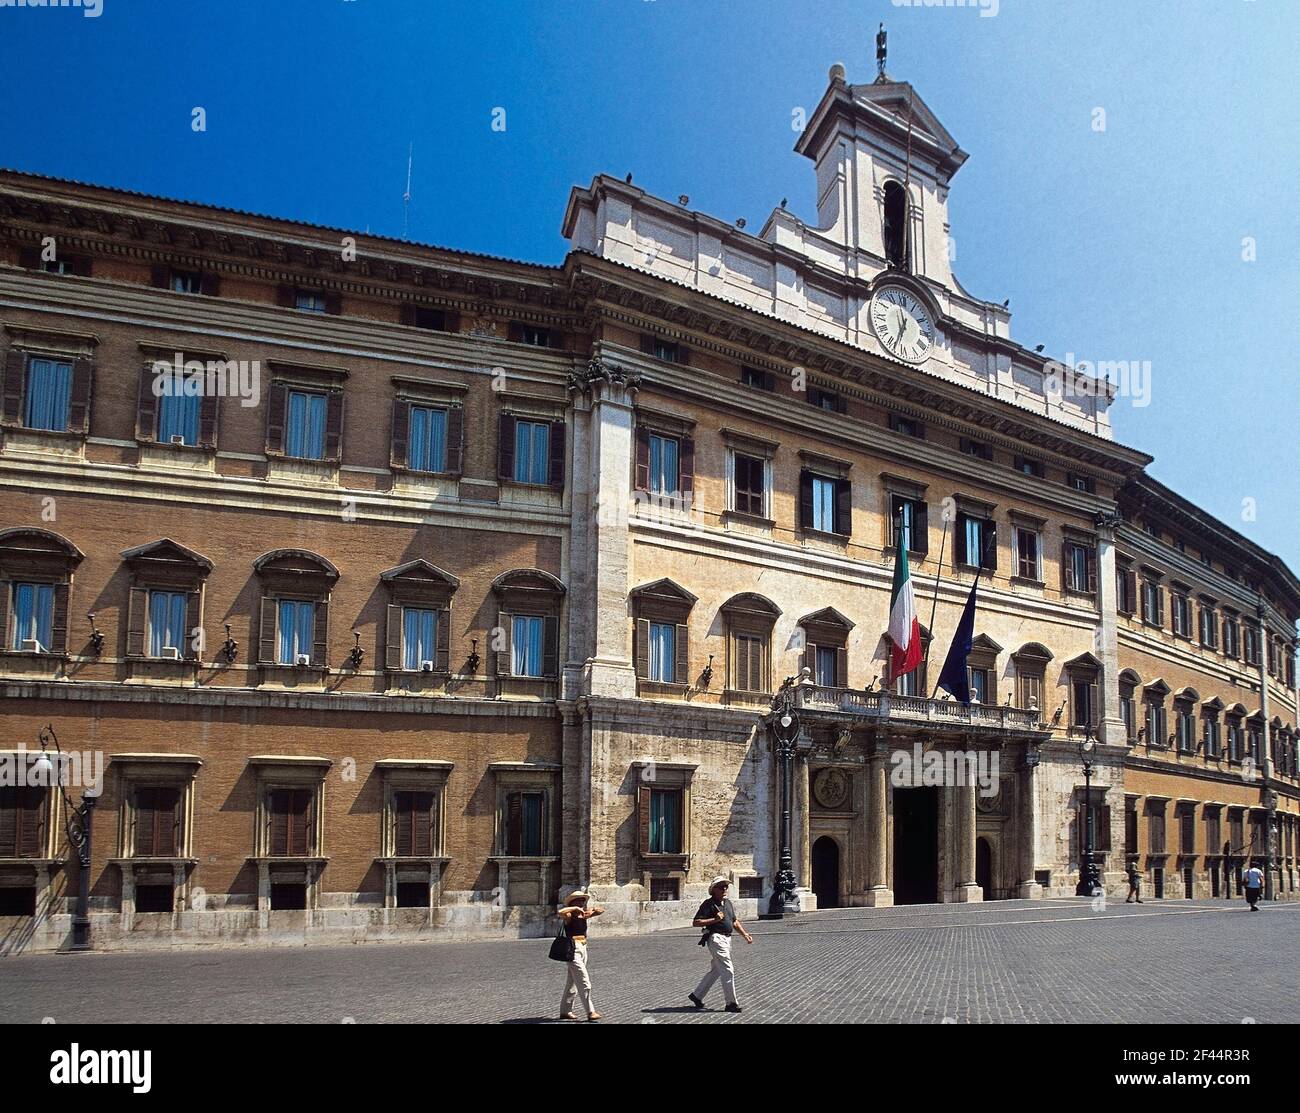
(905, 524)
(166, 621)
(178, 416)
(665, 818)
(823, 504)
(532, 440)
(663, 465)
(304, 435)
(526, 646)
(826, 666)
(417, 637)
(49, 389)
(297, 629)
(428, 439)
(663, 652)
(974, 541)
(33, 614)
(531, 842)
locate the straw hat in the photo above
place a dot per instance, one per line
(576, 896)
(719, 881)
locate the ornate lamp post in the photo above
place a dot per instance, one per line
(785, 728)
(1089, 881)
(78, 822)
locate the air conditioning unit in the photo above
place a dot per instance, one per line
(31, 645)
(177, 438)
(303, 659)
(426, 666)
(171, 653)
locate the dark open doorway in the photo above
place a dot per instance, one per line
(916, 845)
(826, 872)
(984, 867)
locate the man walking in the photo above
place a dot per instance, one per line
(1254, 880)
(717, 916)
(1134, 881)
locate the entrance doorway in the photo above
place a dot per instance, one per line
(826, 872)
(984, 867)
(916, 846)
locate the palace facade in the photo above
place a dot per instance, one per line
(396, 590)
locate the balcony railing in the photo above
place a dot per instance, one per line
(915, 709)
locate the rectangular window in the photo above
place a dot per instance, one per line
(1209, 626)
(1026, 466)
(1028, 554)
(156, 815)
(22, 815)
(1152, 603)
(908, 518)
(750, 484)
(665, 821)
(827, 400)
(662, 660)
(1128, 712)
(663, 465)
(1180, 609)
(178, 417)
(1125, 589)
(1156, 829)
(1030, 689)
(534, 336)
(49, 395)
(413, 820)
(750, 672)
(427, 446)
(665, 350)
(309, 301)
(759, 380)
(907, 426)
(526, 644)
(422, 317)
(297, 630)
(419, 637)
(525, 827)
(304, 435)
(1212, 736)
(290, 816)
(823, 504)
(978, 449)
(826, 666)
(532, 449)
(1078, 567)
(33, 617)
(1185, 728)
(1082, 483)
(979, 685)
(976, 542)
(167, 623)
(187, 282)
(1082, 691)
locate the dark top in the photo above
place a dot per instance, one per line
(711, 908)
(576, 925)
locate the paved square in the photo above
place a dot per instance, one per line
(1019, 961)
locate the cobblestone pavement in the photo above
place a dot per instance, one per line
(1020, 961)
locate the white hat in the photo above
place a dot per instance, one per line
(719, 881)
(576, 895)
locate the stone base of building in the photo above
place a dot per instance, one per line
(1029, 890)
(880, 898)
(967, 894)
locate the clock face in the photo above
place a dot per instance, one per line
(902, 324)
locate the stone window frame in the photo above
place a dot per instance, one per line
(413, 775)
(148, 411)
(537, 409)
(433, 394)
(1127, 600)
(1152, 589)
(35, 872)
(1235, 746)
(534, 593)
(1156, 713)
(51, 819)
(419, 584)
(41, 556)
(827, 629)
(1185, 704)
(672, 427)
(816, 466)
(296, 575)
(164, 565)
(274, 772)
(1084, 669)
(1073, 539)
(77, 349)
(975, 510)
(899, 489)
(1180, 601)
(672, 776)
(1022, 523)
(755, 448)
(750, 615)
(983, 657)
(328, 381)
(155, 770)
(1231, 642)
(1212, 728)
(1129, 682)
(661, 601)
(520, 776)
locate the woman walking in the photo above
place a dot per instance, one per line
(575, 915)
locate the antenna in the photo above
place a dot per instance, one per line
(406, 197)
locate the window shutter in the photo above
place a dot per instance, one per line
(506, 446)
(503, 654)
(403, 805)
(399, 454)
(455, 439)
(810, 658)
(137, 612)
(15, 381)
(160, 275)
(805, 499)
(647, 345)
(989, 538)
(960, 555)
(209, 407)
(79, 400)
(442, 661)
(920, 528)
(193, 632)
(277, 402)
(393, 637)
(9, 821)
(266, 631)
(1103, 828)
(59, 625)
(551, 646)
(1092, 570)
(406, 314)
(286, 296)
(641, 651)
(841, 667)
(740, 650)
(334, 425)
(515, 331)
(29, 258)
(279, 823)
(643, 818)
(6, 589)
(302, 812)
(1067, 573)
(320, 635)
(79, 265)
(681, 665)
(209, 284)
(843, 507)
(641, 477)
(686, 466)
(557, 454)
(32, 803)
(757, 663)
(333, 304)
(514, 823)
(146, 407)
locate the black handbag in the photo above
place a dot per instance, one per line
(561, 946)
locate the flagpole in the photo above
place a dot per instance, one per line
(934, 607)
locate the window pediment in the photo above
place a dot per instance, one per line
(166, 561)
(419, 578)
(827, 616)
(665, 597)
(28, 548)
(528, 583)
(751, 605)
(1032, 653)
(1085, 662)
(296, 565)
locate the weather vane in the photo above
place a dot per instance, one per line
(882, 50)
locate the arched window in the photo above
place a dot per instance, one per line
(895, 226)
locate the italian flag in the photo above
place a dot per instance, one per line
(904, 626)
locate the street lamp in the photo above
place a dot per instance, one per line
(785, 728)
(1089, 881)
(78, 822)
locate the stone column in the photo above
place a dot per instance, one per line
(1026, 834)
(801, 852)
(879, 894)
(963, 814)
(1112, 731)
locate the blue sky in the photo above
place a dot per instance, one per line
(1123, 244)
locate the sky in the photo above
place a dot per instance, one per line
(1131, 182)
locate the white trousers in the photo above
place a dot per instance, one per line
(577, 981)
(719, 947)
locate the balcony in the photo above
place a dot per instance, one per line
(887, 709)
